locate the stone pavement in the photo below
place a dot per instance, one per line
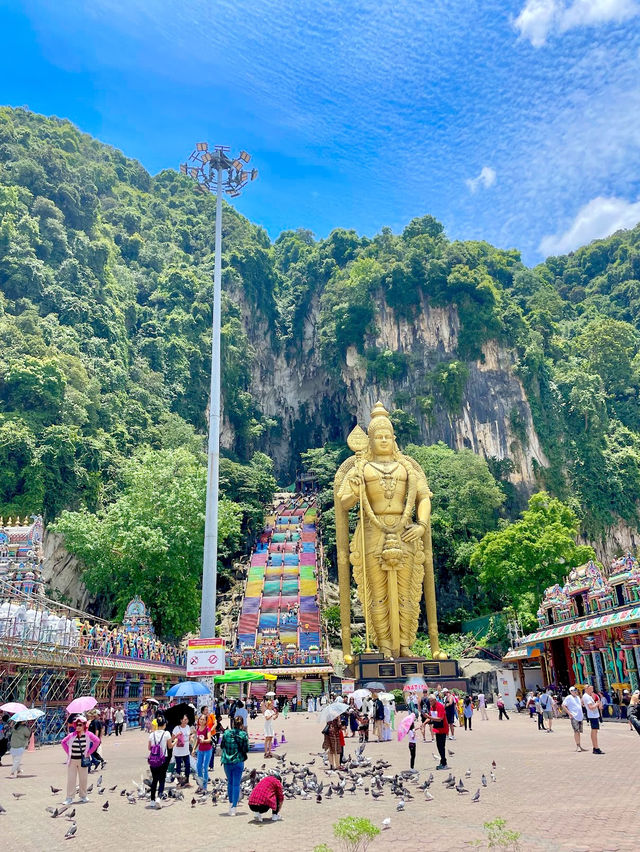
(556, 798)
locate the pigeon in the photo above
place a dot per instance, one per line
(18, 795)
(461, 788)
(55, 790)
(493, 764)
(386, 823)
(476, 796)
(54, 812)
(451, 753)
(467, 774)
(435, 756)
(2, 810)
(71, 831)
(99, 781)
(484, 780)
(493, 777)
(193, 803)
(105, 807)
(71, 814)
(428, 797)
(101, 791)
(123, 792)
(318, 798)
(89, 788)
(111, 789)
(400, 805)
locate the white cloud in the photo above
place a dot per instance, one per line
(538, 18)
(599, 218)
(486, 178)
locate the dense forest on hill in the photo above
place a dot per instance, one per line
(105, 312)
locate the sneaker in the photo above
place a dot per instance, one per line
(68, 802)
(232, 811)
(275, 817)
(442, 767)
(84, 800)
(597, 751)
(153, 806)
(257, 817)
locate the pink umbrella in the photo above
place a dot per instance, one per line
(82, 704)
(13, 707)
(405, 724)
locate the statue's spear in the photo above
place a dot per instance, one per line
(358, 443)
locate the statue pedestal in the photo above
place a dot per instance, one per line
(394, 673)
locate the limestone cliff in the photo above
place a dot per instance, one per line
(314, 404)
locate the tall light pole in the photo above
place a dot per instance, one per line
(215, 171)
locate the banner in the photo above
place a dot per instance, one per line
(347, 686)
(205, 657)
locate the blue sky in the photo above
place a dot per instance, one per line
(514, 121)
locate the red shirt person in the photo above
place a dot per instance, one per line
(267, 795)
(438, 721)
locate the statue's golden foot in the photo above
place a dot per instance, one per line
(405, 651)
(386, 651)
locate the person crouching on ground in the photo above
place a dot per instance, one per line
(267, 795)
(79, 745)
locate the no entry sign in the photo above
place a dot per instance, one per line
(205, 657)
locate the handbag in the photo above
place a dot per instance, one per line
(85, 761)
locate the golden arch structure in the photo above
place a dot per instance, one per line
(390, 550)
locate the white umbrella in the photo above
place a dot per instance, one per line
(359, 695)
(27, 715)
(386, 697)
(332, 711)
(269, 693)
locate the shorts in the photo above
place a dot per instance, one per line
(595, 724)
(259, 809)
(548, 714)
(577, 726)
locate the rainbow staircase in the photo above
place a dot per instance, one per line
(281, 594)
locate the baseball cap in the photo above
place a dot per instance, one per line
(80, 719)
(445, 689)
(572, 689)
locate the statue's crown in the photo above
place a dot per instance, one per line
(379, 417)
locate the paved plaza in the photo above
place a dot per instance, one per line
(556, 798)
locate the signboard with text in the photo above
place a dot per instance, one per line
(205, 657)
(348, 686)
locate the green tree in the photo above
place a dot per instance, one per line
(150, 539)
(516, 563)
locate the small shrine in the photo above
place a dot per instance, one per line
(21, 555)
(137, 619)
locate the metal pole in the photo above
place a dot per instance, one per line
(210, 559)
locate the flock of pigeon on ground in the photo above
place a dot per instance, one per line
(299, 780)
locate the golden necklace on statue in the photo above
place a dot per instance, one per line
(388, 482)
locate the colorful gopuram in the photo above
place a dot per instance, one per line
(589, 629)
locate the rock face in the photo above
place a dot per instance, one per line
(62, 574)
(314, 404)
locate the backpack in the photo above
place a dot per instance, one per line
(156, 755)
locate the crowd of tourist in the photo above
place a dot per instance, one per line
(274, 655)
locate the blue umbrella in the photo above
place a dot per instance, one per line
(188, 687)
(27, 715)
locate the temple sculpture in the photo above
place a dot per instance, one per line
(390, 550)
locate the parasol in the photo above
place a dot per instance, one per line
(173, 715)
(332, 711)
(188, 687)
(82, 704)
(405, 725)
(415, 684)
(27, 715)
(13, 707)
(270, 693)
(358, 696)
(386, 697)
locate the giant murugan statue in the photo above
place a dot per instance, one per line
(391, 549)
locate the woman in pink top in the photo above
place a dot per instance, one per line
(79, 746)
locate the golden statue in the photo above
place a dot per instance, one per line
(390, 551)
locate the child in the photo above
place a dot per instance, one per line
(412, 744)
(363, 728)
